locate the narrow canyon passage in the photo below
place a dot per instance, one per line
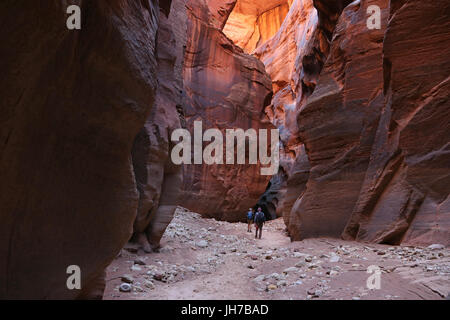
(92, 175)
(208, 259)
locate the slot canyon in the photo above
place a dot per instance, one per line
(86, 176)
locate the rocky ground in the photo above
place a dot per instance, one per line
(209, 259)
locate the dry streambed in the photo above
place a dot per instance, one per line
(209, 259)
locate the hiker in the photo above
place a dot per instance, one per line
(249, 219)
(260, 218)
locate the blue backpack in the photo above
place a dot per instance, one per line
(249, 215)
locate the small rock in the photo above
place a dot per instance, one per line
(260, 278)
(298, 255)
(138, 289)
(291, 269)
(149, 284)
(298, 282)
(314, 292)
(139, 261)
(334, 259)
(132, 249)
(136, 268)
(202, 244)
(272, 287)
(276, 276)
(282, 283)
(158, 276)
(332, 272)
(308, 259)
(436, 246)
(127, 278)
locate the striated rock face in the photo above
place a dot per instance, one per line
(375, 133)
(294, 57)
(405, 194)
(219, 11)
(158, 179)
(361, 155)
(338, 124)
(72, 104)
(225, 89)
(286, 56)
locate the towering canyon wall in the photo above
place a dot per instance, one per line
(405, 194)
(363, 118)
(338, 124)
(376, 130)
(294, 58)
(225, 89)
(72, 105)
(284, 56)
(158, 178)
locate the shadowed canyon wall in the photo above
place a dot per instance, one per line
(158, 179)
(72, 105)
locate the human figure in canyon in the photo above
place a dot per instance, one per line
(260, 218)
(249, 219)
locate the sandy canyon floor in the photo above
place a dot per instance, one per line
(208, 259)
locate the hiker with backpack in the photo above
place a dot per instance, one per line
(260, 218)
(249, 219)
